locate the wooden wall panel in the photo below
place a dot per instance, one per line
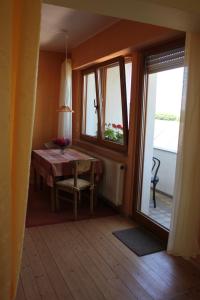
(122, 37)
(48, 88)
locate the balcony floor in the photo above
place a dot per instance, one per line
(163, 210)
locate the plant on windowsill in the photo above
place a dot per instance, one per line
(114, 133)
(62, 143)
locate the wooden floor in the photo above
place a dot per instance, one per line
(83, 260)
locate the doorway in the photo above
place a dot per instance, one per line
(159, 136)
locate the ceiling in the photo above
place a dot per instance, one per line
(79, 25)
(181, 15)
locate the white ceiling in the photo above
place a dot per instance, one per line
(176, 14)
(80, 26)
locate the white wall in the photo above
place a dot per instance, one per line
(167, 170)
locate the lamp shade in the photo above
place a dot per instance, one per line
(65, 108)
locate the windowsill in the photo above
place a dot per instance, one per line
(100, 150)
(105, 143)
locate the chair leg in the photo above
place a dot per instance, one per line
(92, 201)
(75, 205)
(79, 198)
(154, 195)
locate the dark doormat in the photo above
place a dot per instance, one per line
(140, 241)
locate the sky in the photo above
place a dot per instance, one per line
(169, 87)
(169, 91)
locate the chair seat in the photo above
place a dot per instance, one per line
(69, 183)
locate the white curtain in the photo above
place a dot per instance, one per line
(184, 237)
(65, 118)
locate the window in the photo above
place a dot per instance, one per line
(168, 97)
(106, 93)
(165, 76)
(128, 73)
(90, 120)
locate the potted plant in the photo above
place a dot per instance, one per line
(114, 133)
(62, 143)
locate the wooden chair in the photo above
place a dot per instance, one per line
(76, 185)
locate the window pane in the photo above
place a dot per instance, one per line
(90, 119)
(168, 97)
(113, 128)
(128, 73)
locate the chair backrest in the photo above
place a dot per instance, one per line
(51, 145)
(155, 167)
(84, 166)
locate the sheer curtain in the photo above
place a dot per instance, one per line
(184, 237)
(65, 118)
(19, 45)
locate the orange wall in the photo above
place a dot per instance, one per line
(123, 35)
(48, 87)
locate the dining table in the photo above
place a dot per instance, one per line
(53, 165)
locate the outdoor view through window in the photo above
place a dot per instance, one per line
(164, 97)
(106, 104)
(168, 107)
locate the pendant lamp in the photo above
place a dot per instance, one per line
(65, 108)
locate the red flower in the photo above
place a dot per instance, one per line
(114, 125)
(119, 126)
(61, 142)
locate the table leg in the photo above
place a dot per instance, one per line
(53, 202)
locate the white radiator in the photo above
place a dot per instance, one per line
(111, 185)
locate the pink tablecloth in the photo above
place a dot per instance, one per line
(51, 163)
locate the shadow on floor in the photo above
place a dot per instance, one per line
(39, 210)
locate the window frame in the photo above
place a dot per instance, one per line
(99, 140)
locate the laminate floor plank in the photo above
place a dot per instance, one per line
(153, 284)
(140, 273)
(57, 281)
(179, 275)
(42, 280)
(107, 281)
(83, 261)
(177, 271)
(20, 291)
(79, 282)
(28, 279)
(148, 262)
(105, 249)
(69, 244)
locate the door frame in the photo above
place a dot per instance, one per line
(140, 121)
